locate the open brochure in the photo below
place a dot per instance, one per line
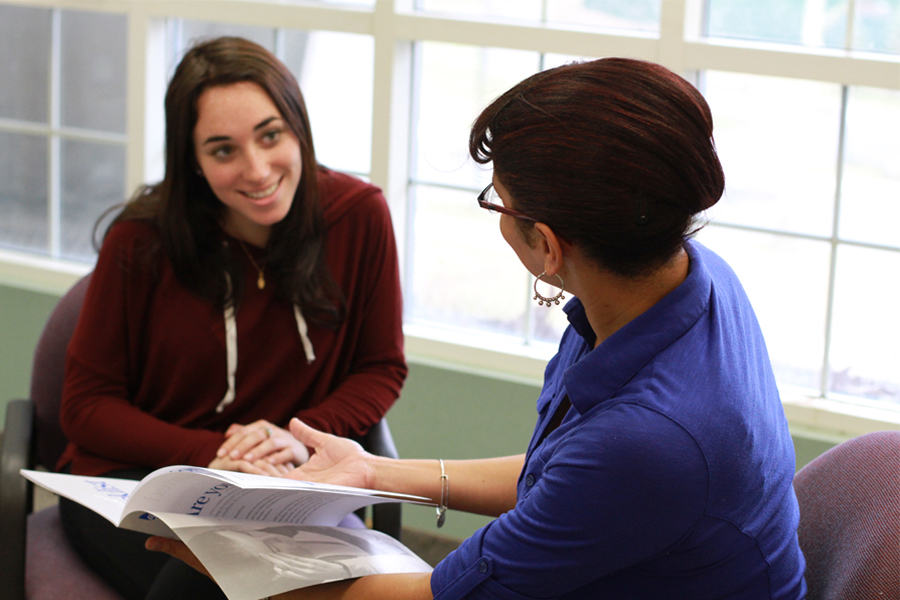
(256, 535)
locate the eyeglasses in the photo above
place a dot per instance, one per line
(486, 200)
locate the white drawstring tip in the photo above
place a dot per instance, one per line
(304, 338)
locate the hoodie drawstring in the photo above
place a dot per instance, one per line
(231, 345)
(304, 338)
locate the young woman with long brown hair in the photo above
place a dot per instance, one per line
(250, 286)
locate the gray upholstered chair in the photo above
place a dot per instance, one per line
(36, 561)
(850, 519)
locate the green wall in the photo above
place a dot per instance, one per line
(452, 415)
(442, 412)
(22, 318)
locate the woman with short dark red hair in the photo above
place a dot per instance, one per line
(661, 463)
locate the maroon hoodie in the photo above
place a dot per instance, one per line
(147, 366)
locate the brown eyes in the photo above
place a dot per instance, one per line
(269, 137)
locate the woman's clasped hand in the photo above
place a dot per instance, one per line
(264, 448)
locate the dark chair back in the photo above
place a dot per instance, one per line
(48, 371)
(850, 519)
(35, 559)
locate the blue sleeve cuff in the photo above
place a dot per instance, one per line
(463, 583)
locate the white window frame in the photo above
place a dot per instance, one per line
(394, 26)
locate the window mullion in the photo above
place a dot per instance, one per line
(851, 20)
(832, 267)
(393, 120)
(409, 208)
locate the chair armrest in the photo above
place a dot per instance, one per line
(378, 441)
(386, 518)
(16, 495)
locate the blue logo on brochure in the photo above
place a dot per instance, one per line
(104, 488)
(147, 517)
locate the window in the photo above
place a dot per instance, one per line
(805, 96)
(853, 24)
(799, 216)
(460, 271)
(62, 126)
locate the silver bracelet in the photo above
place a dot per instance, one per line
(445, 496)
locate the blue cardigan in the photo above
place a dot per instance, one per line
(670, 476)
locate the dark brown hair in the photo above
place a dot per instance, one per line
(188, 214)
(614, 155)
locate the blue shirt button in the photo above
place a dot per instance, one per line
(482, 566)
(529, 480)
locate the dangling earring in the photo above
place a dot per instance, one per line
(542, 300)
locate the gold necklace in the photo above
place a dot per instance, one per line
(261, 280)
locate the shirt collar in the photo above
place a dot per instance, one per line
(574, 310)
(599, 374)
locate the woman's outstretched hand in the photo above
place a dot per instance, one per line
(335, 460)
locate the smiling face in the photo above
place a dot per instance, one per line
(249, 157)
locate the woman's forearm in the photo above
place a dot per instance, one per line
(483, 486)
(401, 586)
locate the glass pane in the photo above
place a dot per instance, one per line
(23, 192)
(194, 31)
(870, 191)
(548, 325)
(876, 26)
(817, 23)
(778, 141)
(786, 280)
(92, 180)
(340, 108)
(636, 15)
(864, 349)
(94, 51)
(552, 60)
(462, 271)
(456, 83)
(346, 2)
(24, 63)
(529, 10)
